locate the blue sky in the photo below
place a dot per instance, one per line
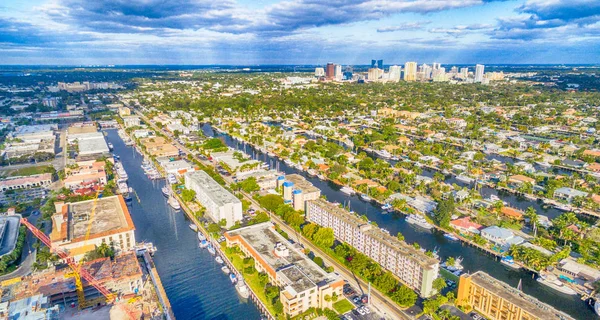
(68, 32)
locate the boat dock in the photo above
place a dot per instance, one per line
(160, 290)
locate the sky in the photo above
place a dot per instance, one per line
(246, 32)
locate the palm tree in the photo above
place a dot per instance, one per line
(533, 219)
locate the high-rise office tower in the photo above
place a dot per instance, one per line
(479, 72)
(337, 72)
(380, 64)
(395, 72)
(436, 65)
(330, 71)
(410, 71)
(373, 63)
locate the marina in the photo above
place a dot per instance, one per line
(191, 277)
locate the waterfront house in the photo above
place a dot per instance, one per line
(512, 213)
(465, 226)
(500, 236)
(519, 179)
(568, 194)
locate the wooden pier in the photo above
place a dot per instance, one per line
(160, 290)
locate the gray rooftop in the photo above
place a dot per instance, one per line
(213, 189)
(301, 183)
(297, 270)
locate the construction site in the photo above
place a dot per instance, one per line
(126, 276)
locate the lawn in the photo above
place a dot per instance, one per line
(29, 171)
(448, 275)
(343, 306)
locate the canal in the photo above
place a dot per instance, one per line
(192, 279)
(473, 259)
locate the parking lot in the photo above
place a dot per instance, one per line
(361, 310)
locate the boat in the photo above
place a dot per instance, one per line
(365, 197)
(563, 207)
(143, 247)
(552, 281)
(394, 158)
(464, 179)
(166, 191)
(110, 146)
(386, 207)
(130, 190)
(288, 162)
(312, 172)
(203, 244)
(225, 269)
(219, 260)
(494, 198)
(174, 203)
(383, 154)
(510, 262)
(122, 186)
(450, 236)
(543, 164)
(384, 230)
(242, 289)
(171, 178)
(211, 249)
(193, 226)
(201, 236)
(347, 190)
(321, 177)
(232, 278)
(419, 221)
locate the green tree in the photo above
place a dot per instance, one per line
(444, 211)
(271, 202)
(439, 284)
(188, 195)
(324, 237)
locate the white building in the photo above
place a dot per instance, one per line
(131, 121)
(410, 265)
(319, 72)
(395, 73)
(479, 71)
(219, 203)
(337, 72)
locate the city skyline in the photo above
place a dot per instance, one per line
(198, 32)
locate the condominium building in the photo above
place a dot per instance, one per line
(297, 190)
(374, 74)
(410, 71)
(479, 72)
(497, 300)
(411, 266)
(219, 203)
(395, 72)
(77, 232)
(303, 283)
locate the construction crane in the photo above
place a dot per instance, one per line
(82, 273)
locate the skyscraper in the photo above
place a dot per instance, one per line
(337, 72)
(464, 73)
(410, 71)
(374, 74)
(380, 64)
(373, 63)
(330, 71)
(479, 72)
(395, 72)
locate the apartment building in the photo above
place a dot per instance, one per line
(303, 283)
(497, 300)
(411, 266)
(297, 190)
(219, 203)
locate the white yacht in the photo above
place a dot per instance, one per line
(419, 221)
(242, 289)
(383, 154)
(348, 190)
(464, 179)
(193, 226)
(553, 282)
(174, 203)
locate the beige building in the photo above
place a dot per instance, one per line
(302, 282)
(110, 224)
(297, 190)
(497, 300)
(411, 266)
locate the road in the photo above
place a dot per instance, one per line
(27, 256)
(383, 304)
